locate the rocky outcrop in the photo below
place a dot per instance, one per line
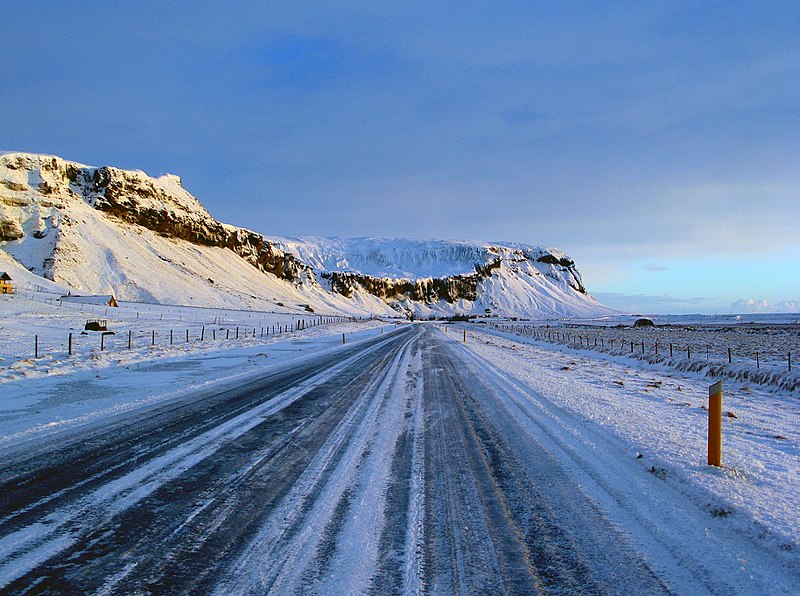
(553, 260)
(10, 229)
(427, 290)
(140, 200)
(158, 204)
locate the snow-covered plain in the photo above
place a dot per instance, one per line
(57, 391)
(628, 430)
(40, 321)
(763, 350)
(662, 415)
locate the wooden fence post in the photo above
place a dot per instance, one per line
(715, 424)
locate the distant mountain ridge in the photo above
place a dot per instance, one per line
(103, 229)
(500, 278)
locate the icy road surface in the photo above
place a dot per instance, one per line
(401, 464)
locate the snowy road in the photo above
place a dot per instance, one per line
(401, 464)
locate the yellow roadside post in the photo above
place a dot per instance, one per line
(715, 424)
(465, 336)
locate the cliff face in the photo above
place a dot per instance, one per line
(158, 204)
(426, 290)
(57, 218)
(471, 275)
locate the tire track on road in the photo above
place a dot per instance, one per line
(472, 543)
(173, 535)
(311, 536)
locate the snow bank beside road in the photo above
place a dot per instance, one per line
(39, 322)
(662, 416)
(110, 383)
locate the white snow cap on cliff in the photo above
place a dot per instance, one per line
(403, 257)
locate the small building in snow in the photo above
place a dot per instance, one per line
(5, 283)
(105, 300)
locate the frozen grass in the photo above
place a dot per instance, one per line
(754, 352)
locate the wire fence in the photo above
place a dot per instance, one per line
(769, 350)
(79, 329)
(87, 342)
(764, 354)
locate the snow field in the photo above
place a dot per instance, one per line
(758, 352)
(660, 418)
(34, 406)
(28, 315)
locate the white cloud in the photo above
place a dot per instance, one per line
(749, 305)
(656, 304)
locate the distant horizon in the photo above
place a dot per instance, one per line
(618, 302)
(732, 313)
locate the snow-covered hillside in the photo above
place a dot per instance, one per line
(106, 230)
(406, 258)
(102, 230)
(498, 278)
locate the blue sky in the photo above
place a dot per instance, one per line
(656, 143)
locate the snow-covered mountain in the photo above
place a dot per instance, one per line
(439, 277)
(106, 230)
